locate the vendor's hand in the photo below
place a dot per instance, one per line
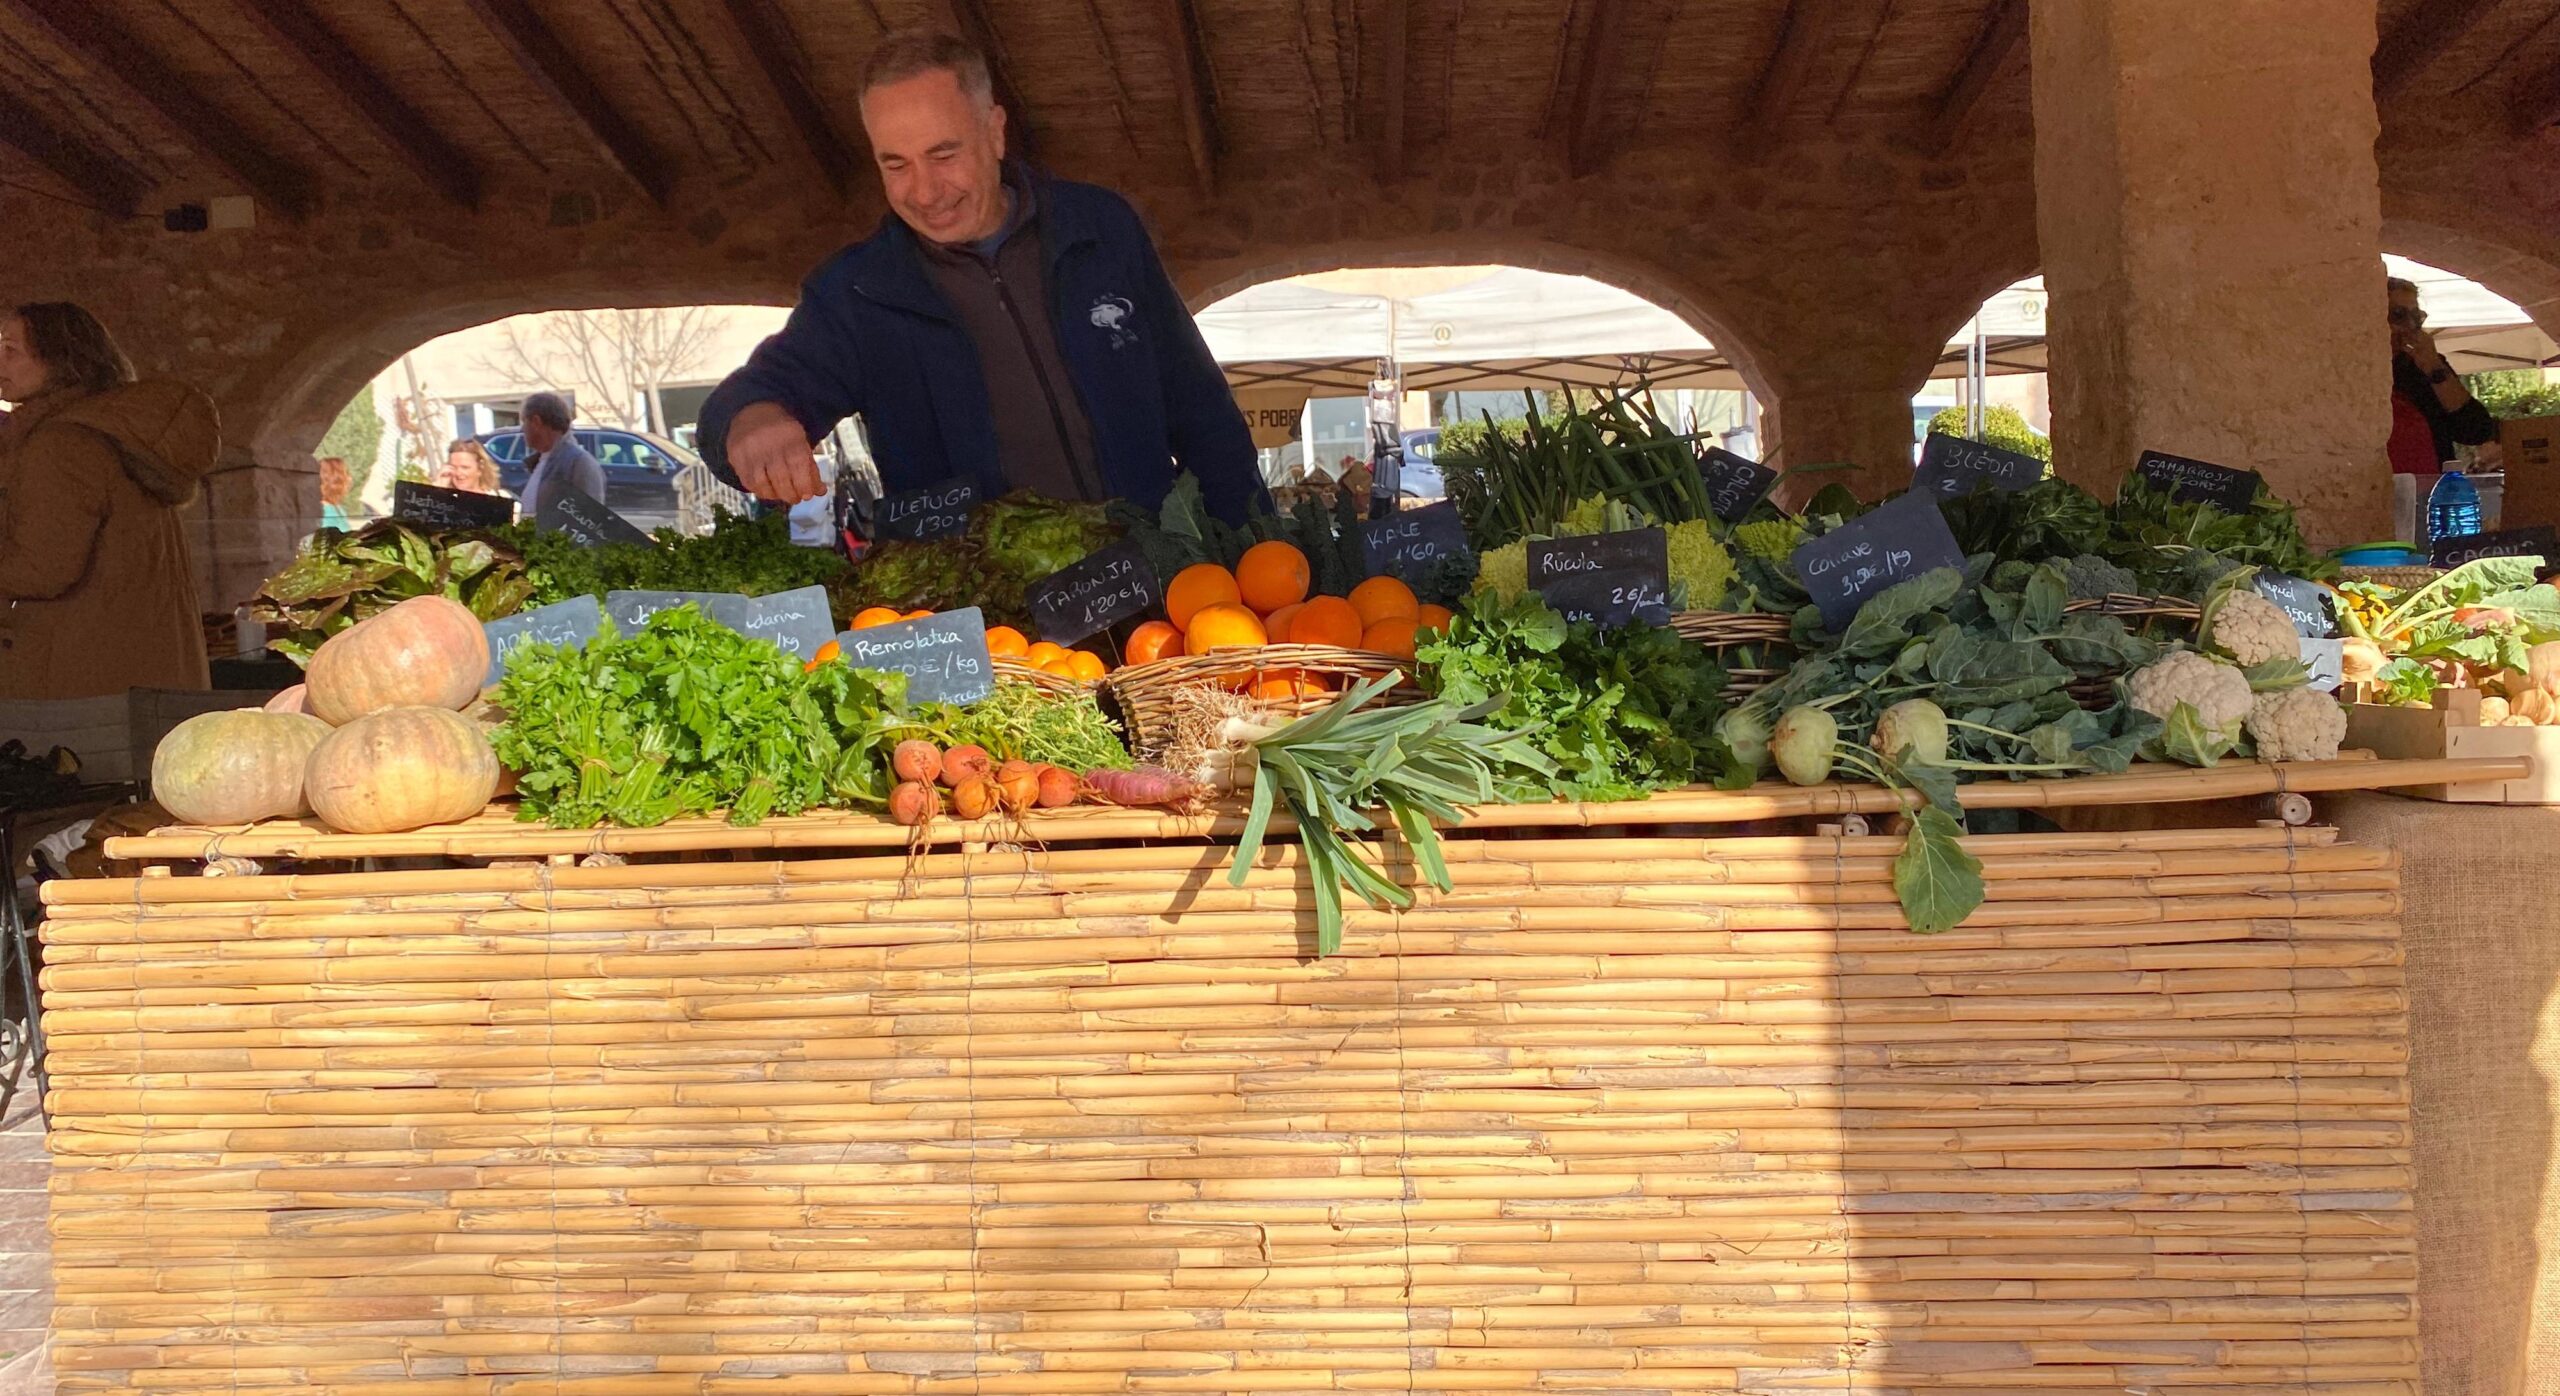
(769, 450)
(2420, 346)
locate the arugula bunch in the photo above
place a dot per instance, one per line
(685, 717)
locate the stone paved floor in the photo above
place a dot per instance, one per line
(26, 1272)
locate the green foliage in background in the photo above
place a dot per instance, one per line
(2001, 426)
(356, 438)
(2516, 392)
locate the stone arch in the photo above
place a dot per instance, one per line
(2459, 242)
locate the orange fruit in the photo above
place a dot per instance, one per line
(1381, 597)
(1326, 620)
(1004, 640)
(1062, 665)
(1152, 641)
(828, 653)
(1278, 622)
(1272, 575)
(876, 615)
(1085, 666)
(916, 615)
(1282, 686)
(1041, 655)
(1435, 618)
(1196, 587)
(1222, 626)
(1394, 635)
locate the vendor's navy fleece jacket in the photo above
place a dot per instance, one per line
(872, 335)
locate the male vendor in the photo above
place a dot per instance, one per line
(1002, 327)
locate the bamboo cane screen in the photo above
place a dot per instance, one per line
(1621, 1115)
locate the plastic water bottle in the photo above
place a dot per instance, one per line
(2453, 507)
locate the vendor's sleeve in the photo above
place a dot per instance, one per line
(53, 520)
(2472, 424)
(1210, 438)
(808, 369)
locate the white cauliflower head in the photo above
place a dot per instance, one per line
(2297, 724)
(2218, 693)
(2250, 628)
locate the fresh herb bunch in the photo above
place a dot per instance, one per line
(1024, 723)
(341, 578)
(755, 557)
(1515, 481)
(686, 717)
(1421, 763)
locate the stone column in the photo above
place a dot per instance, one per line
(1818, 421)
(2209, 218)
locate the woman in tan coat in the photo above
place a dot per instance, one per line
(96, 591)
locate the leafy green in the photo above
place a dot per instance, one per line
(1021, 722)
(341, 578)
(755, 557)
(1937, 882)
(1028, 537)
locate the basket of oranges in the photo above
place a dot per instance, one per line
(1257, 631)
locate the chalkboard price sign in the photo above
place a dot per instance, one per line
(568, 623)
(2326, 659)
(1734, 483)
(1894, 542)
(585, 520)
(2191, 481)
(631, 609)
(2306, 604)
(799, 621)
(1406, 543)
(1610, 598)
(944, 655)
(430, 507)
(936, 511)
(1951, 465)
(2540, 541)
(1111, 586)
(1644, 550)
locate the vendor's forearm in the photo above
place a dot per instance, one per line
(2451, 393)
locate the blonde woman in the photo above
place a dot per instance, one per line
(467, 467)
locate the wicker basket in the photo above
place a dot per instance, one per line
(1756, 645)
(1144, 693)
(2134, 609)
(1010, 670)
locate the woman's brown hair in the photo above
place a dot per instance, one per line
(77, 351)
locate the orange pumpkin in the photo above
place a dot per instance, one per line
(401, 769)
(427, 651)
(235, 767)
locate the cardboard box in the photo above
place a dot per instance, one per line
(2452, 729)
(2529, 453)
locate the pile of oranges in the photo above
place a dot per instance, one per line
(1264, 601)
(1005, 642)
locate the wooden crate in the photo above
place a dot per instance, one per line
(1621, 1114)
(2451, 729)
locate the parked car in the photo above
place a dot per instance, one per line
(639, 469)
(1421, 477)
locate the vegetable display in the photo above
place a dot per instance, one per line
(342, 578)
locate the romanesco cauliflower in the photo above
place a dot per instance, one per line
(1770, 540)
(1504, 571)
(2250, 628)
(2092, 578)
(1700, 567)
(2215, 694)
(2297, 724)
(1587, 516)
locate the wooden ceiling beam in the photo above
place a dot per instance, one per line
(362, 90)
(92, 173)
(1192, 91)
(1587, 142)
(765, 35)
(968, 19)
(1781, 80)
(113, 55)
(2003, 32)
(1394, 54)
(2419, 39)
(545, 59)
(2536, 102)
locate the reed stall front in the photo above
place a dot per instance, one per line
(1625, 1113)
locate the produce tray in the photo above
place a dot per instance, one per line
(495, 833)
(2451, 731)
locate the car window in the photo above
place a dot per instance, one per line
(647, 458)
(613, 450)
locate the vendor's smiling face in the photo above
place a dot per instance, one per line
(941, 155)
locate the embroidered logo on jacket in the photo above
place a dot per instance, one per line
(1113, 314)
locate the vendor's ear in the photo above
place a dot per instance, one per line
(995, 126)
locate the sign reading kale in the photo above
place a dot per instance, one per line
(2191, 481)
(1893, 542)
(799, 621)
(1406, 543)
(1951, 465)
(430, 507)
(944, 655)
(584, 520)
(631, 609)
(2538, 541)
(1645, 550)
(569, 623)
(2305, 603)
(1108, 587)
(1609, 598)
(935, 511)
(1734, 483)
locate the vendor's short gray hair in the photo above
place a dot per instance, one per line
(905, 53)
(550, 409)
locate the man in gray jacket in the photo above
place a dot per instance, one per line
(553, 457)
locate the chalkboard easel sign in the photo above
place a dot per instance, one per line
(2191, 481)
(569, 623)
(430, 507)
(1610, 598)
(1108, 587)
(1407, 543)
(800, 621)
(631, 609)
(1893, 542)
(1646, 550)
(943, 655)
(1951, 465)
(936, 511)
(2540, 541)
(1735, 484)
(2306, 604)
(586, 521)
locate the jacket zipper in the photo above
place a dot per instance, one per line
(1057, 414)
